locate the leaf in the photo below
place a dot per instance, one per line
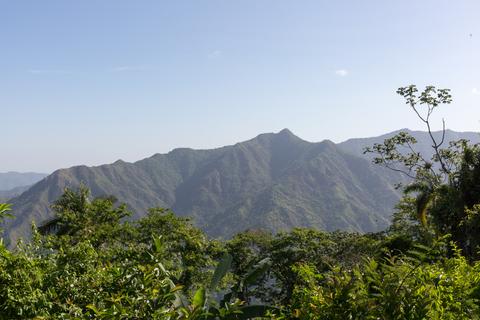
(4, 208)
(93, 308)
(257, 271)
(222, 269)
(157, 241)
(199, 298)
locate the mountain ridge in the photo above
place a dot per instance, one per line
(274, 181)
(13, 179)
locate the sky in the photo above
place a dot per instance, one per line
(89, 82)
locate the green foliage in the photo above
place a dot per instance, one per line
(221, 271)
(4, 213)
(190, 251)
(263, 264)
(90, 262)
(446, 187)
(78, 218)
(398, 287)
(4, 208)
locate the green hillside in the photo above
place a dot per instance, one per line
(274, 182)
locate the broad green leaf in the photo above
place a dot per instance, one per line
(222, 269)
(199, 298)
(258, 270)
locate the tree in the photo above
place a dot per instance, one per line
(446, 185)
(398, 152)
(91, 262)
(419, 285)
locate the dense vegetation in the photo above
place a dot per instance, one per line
(92, 262)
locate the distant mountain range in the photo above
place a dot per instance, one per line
(11, 180)
(275, 181)
(6, 195)
(12, 184)
(423, 145)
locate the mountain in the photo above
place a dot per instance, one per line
(12, 184)
(423, 145)
(11, 180)
(275, 181)
(6, 195)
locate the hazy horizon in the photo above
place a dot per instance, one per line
(92, 82)
(220, 146)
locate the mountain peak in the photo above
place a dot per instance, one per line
(286, 132)
(275, 181)
(283, 136)
(286, 135)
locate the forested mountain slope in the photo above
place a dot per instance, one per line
(274, 181)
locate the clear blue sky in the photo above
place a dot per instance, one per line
(89, 82)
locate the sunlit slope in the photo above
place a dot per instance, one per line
(274, 181)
